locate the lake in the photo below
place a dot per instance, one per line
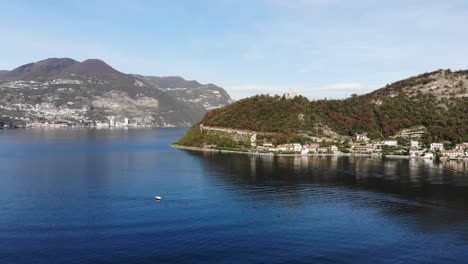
(87, 196)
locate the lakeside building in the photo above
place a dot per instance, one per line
(362, 137)
(453, 153)
(285, 147)
(102, 124)
(312, 147)
(437, 146)
(323, 150)
(334, 148)
(112, 121)
(390, 143)
(292, 147)
(297, 147)
(263, 149)
(461, 146)
(364, 149)
(414, 144)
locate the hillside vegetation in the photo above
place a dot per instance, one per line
(438, 101)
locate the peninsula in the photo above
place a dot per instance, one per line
(422, 116)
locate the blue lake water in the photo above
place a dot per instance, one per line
(87, 196)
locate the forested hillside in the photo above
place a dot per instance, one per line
(438, 101)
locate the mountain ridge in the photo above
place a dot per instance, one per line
(210, 96)
(437, 101)
(63, 91)
(44, 69)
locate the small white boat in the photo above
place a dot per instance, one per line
(158, 198)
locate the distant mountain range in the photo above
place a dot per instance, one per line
(432, 107)
(2, 72)
(65, 92)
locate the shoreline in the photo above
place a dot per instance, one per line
(198, 149)
(85, 127)
(288, 155)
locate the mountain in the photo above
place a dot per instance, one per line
(432, 105)
(3, 72)
(41, 70)
(92, 67)
(207, 96)
(65, 92)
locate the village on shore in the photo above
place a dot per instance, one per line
(361, 145)
(406, 143)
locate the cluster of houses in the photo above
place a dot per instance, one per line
(297, 148)
(114, 122)
(461, 150)
(415, 149)
(363, 145)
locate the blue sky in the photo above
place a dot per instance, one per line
(320, 48)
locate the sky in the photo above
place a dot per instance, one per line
(318, 48)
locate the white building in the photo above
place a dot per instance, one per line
(323, 150)
(364, 149)
(362, 137)
(286, 147)
(311, 147)
(333, 148)
(297, 147)
(112, 121)
(253, 140)
(99, 124)
(437, 146)
(461, 146)
(414, 144)
(390, 143)
(290, 94)
(453, 153)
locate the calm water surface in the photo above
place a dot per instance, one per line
(86, 196)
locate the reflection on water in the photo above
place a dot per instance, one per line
(87, 196)
(456, 165)
(412, 173)
(421, 188)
